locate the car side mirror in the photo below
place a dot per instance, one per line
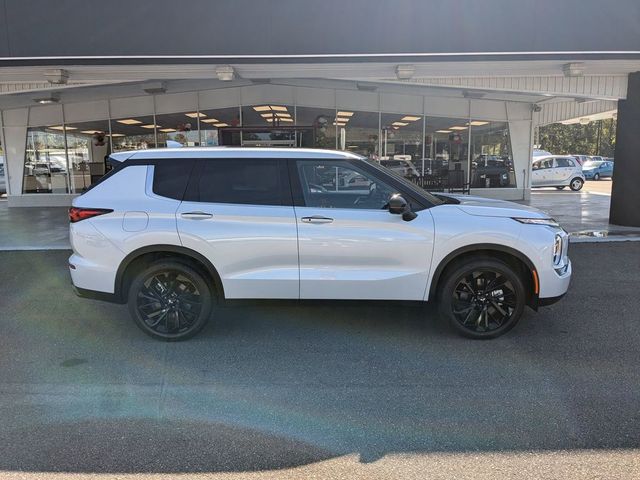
(399, 206)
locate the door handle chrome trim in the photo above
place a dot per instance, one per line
(317, 219)
(196, 215)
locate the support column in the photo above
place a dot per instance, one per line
(625, 192)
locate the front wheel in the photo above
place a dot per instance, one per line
(482, 298)
(170, 300)
(576, 184)
(596, 176)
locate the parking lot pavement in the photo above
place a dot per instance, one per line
(320, 390)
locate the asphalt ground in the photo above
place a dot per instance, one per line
(347, 390)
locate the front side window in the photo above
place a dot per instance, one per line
(240, 181)
(341, 185)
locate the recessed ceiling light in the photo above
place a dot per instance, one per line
(277, 108)
(283, 115)
(210, 120)
(410, 118)
(443, 131)
(340, 124)
(220, 125)
(91, 132)
(195, 115)
(399, 124)
(281, 119)
(267, 115)
(129, 121)
(477, 123)
(264, 108)
(117, 135)
(167, 130)
(344, 114)
(458, 128)
(343, 119)
(149, 126)
(60, 127)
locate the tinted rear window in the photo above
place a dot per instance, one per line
(241, 180)
(170, 177)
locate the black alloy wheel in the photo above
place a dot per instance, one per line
(482, 298)
(170, 301)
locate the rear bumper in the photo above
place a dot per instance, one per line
(95, 295)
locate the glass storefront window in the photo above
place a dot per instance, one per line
(402, 141)
(133, 133)
(268, 125)
(316, 127)
(446, 152)
(358, 132)
(45, 166)
(87, 147)
(491, 159)
(178, 129)
(214, 122)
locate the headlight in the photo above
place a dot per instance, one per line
(557, 250)
(550, 222)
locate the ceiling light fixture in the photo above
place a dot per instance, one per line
(149, 126)
(574, 69)
(168, 130)
(443, 131)
(195, 115)
(220, 125)
(278, 108)
(344, 114)
(225, 73)
(410, 118)
(53, 98)
(405, 72)
(57, 76)
(399, 124)
(477, 123)
(129, 121)
(210, 120)
(342, 119)
(117, 135)
(61, 127)
(457, 128)
(92, 132)
(262, 108)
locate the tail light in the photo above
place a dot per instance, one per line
(76, 214)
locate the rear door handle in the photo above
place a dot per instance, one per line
(317, 219)
(196, 215)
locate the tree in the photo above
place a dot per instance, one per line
(595, 138)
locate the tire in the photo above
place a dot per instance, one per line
(560, 188)
(596, 176)
(576, 184)
(170, 300)
(472, 311)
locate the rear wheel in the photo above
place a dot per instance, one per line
(170, 300)
(596, 176)
(576, 184)
(482, 298)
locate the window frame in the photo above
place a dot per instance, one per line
(192, 192)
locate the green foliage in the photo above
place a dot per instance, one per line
(596, 138)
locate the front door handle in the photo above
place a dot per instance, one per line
(196, 215)
(317, 219)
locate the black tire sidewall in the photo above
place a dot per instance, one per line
(196, 277)
(576, 189)
(451, 280)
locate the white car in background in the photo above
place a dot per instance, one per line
(558, 171)
(401, 166)
(176, 232)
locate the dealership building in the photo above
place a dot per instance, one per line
(458, 88)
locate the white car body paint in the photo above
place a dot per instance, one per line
(270, 252)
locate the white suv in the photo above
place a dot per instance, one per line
(176, 232)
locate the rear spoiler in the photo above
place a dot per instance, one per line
(116, 159)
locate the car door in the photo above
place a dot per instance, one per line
(350, 246)
(563, 171)
(541, 173)
(238, 213)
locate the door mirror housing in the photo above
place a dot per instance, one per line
(399, 206)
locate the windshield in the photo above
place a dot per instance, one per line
(409, 185)
(591, 163)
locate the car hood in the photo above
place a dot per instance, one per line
(489, 207)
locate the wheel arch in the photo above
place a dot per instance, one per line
(145, 255)
(502, 252)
